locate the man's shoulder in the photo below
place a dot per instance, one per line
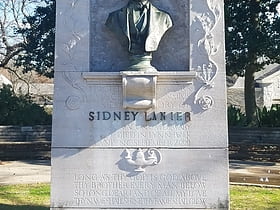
(160, 12)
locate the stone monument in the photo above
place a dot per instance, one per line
(140, 107)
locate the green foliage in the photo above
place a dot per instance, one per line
(20, 110)
(236, 117)
(269, 118)
(265, 117)
(252, 41)
(39, 34)
(252, 32)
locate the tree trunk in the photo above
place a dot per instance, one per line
(250, 99)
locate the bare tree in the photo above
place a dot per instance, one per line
(12, 14)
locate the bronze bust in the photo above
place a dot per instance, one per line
(139, 26)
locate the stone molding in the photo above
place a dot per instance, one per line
(113, 78)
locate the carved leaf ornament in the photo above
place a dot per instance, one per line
(208, 71)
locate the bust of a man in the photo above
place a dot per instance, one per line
(139, 26)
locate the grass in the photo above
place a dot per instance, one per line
(254, 198)
(25, 197)
(37, 197)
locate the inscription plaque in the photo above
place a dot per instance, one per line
(145, 189)
(104, 123)
(96, 182)
(132, 128)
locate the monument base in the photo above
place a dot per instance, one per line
(198, 180)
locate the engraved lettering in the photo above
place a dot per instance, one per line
(146, 117)
(127, 117)
(188, 117)
(172, 116)
(162, 116)
(143, 189)
(106, 115)
(117, 115)
(179, 116)
(131, 116)
(91, 116)
(134, 114)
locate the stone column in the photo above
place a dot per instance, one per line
(170, 152)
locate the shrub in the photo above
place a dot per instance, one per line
(236, 117)
(20, 110)
(269, 118)
(265, 117)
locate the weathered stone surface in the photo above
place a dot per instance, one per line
(102, 178)
(173, 50)
(172, 156)
(104, 123)
(73, 35)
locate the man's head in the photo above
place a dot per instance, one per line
(142, 1)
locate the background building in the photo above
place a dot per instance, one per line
(267, 88)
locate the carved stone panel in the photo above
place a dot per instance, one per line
(105, 179)
(104, 122)
(207, 51)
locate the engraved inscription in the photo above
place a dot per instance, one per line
(133, 135)
(133, 128)
(131, 116)
(173, 97)
(144, 190)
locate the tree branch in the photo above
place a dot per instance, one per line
(4, 37)
(23, 5)
(19, 77)
(9, 56)
(16, 15)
